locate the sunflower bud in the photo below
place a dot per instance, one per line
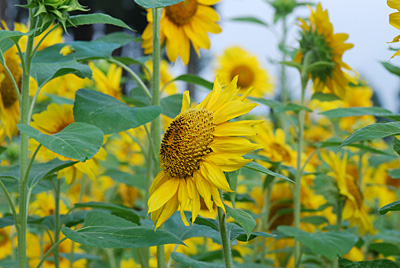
(283, 8)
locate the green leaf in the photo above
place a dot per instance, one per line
(11, 34)
(5, 45)
(104, 230)
(292, 64)
(357, 111)
(86, 19)
(82, 51)
(292, 107)
(395, 173)
(362, 147)
(374, 131)
(257, 167)
(387, 249)
(207, 222)
(117, 210)
(77, 141)
(117, 38)
(396, 145)
(391, 68)
(315, 220)
(273, 104)
(328, 244)
(136, 180)
(382, 263)
(194, 79)
(251, 20)
(324, 97)
(243, 218)
(8, 263)
(138, 98)
(156, 3)
(394, 206)
(171, 105)
(108, 113)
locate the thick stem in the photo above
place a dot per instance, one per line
(57, 227)
(300, 142)
(24, 152)
(226, 243)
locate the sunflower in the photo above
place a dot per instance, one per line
(5, 242)
(181, 24)
(318, 39)
(354, 210)
(108, 83)
(237, 61)
(52, 121)
(199, 145)
(394, 20)
(44, 205)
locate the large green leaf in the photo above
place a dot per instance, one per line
(374, 131)
(395, 173)
(386, 249)
(171, 105)
(328, 244)
(357, 111)
(362, 147)
(86, 19)
(257, 167)
(156, 3)
(44, 72)
(243, 218)
(104, 230)
(108, 113)
(196, 80)
(117, 210)
(4, 34)
(382, 263)
(394, 206)
(324, 97)
(77, 141)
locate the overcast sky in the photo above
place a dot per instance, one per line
(366, 22)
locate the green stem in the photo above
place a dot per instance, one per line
(300, 141)
(50, 251)
(111, 257)
(156, 124)
(143, 254)
(16, 88)
(135, 76)
(24, 151)
(57, 227)
(11, 202)
(226, 243)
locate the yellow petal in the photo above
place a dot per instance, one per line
(203, 188)
(232, 109)
(227, 162)
(185, 101)
(214, 175)
(168, 210)
(161, 178)
(163, 194)
(194, 195)
(217, 198)
(239, 128)
(236, 145)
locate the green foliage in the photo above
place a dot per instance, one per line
(77, 141)
(394, 206)
(251, 20)
(345, 263)
(358, 111)
(243, 218)
(386, 249)
(104, 230)
(156, 3)
(374, 131)
(391, 68)
(396, 145)
(395, 173)
(328, 244)
(109, 114)
(194, 79)
(324, 97)
(87, 19)
(257, 167)
(171, 105)
(136, 180)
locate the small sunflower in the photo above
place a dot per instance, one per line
(108, 83)
(52, 121)
(354, 210)
(199, 145)
(181, 24)
(394, 20)
(237, 61)
(5, 242)
(318, 39)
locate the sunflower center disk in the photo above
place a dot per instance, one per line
(186, 141)
(246, 76)
(181, 13)
(7, 91)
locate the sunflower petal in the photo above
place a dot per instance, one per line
(163, 194)
(214, 175)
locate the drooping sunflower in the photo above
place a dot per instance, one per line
(181, 24)
(318, 39)
(52, 121)
(237, 61)
(199, 145)
(394, 20)
(354, 210)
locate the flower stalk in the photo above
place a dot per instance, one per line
(226, 243)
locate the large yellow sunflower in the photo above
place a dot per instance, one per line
(181, 24)
(318, 39)
(394, 20)
(52, 121)
(354, 210)
(237, 61)
(199, 145)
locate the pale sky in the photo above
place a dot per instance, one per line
(366, 22)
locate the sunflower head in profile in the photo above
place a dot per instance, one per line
(394, 20)
(238, 62)
(319, 41)
(199, 145)
(181, 24)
